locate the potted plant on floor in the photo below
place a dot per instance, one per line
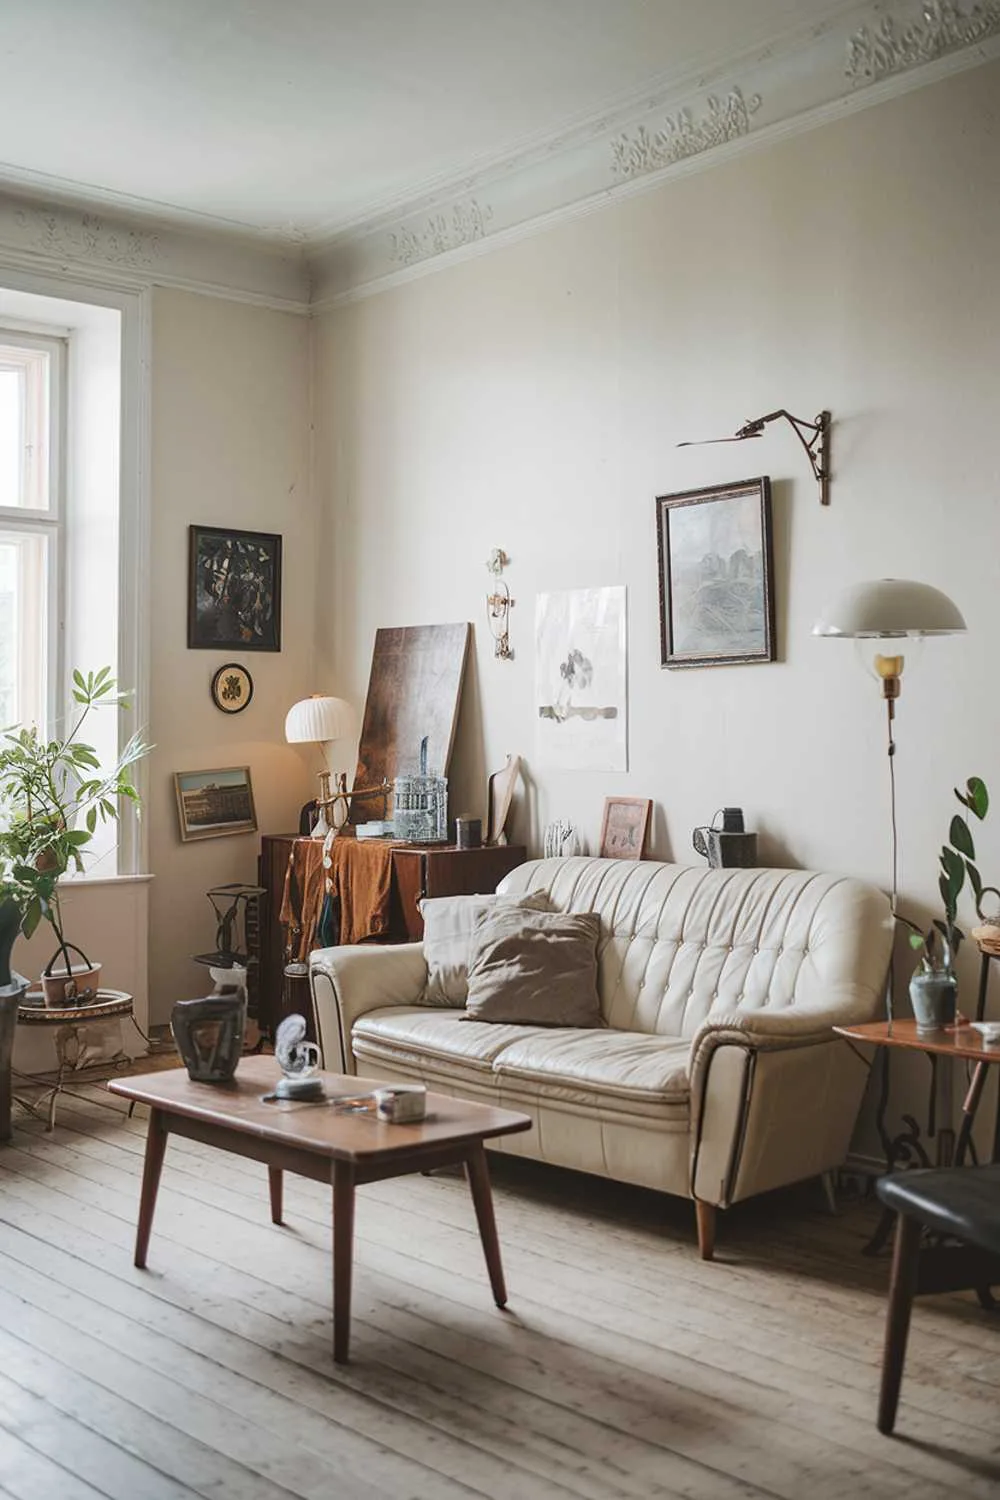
(934, 987)
(53, 795)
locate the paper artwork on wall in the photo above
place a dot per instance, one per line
(581, 680)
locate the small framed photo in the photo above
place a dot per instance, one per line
(213, 803)
(625, 827)
(234, 590)
(716, 575)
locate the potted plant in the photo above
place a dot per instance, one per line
(934, 987)
(53, 795)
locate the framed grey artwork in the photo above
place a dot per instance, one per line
(716, 575)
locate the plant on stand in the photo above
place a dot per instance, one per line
(934, 987)
(53, 796)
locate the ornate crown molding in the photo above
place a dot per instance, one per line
(892, 47)
(681, 136)
(864, 54)
(87, 237)
(465, 223)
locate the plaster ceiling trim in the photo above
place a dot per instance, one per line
(873, 52)
(114, 250)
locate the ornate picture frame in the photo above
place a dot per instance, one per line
(716, 568)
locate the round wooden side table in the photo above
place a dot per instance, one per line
(69, 1021)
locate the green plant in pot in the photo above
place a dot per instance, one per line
(934, 986)
(53, 796)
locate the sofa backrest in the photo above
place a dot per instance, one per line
(679, 944)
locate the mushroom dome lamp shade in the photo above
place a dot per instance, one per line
(890, 608)
(318, 719)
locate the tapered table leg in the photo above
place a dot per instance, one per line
(478, 1174)
(902, 1287)
(275, 1183)
(343, 1257)
(156, 1145)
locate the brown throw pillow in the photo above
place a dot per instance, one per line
(535, 969)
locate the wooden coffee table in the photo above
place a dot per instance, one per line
(318, 1141)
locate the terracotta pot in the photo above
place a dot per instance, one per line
(78, 987)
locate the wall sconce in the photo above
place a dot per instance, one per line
(817, 446)
(499, 605)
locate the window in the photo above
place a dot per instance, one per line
(31, 517)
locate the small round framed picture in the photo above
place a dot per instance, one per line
(232, 688)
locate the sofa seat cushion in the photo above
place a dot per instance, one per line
(613, 1072)
(431, 1035)
(628, 1071)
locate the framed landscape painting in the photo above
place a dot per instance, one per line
(234, 589)
(716, 575)
(211, 804)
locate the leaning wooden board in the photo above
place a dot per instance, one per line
(413, 693)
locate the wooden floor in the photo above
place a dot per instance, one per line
(623, 1367)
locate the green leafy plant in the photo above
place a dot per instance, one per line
(53, 796)
(957, 865)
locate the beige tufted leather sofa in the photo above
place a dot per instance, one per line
(717, 1075)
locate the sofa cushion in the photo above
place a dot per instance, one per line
(449, 924)
(623, 1064)
(418, 1032)
(535, 968)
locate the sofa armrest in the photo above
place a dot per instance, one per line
(348, 982)
(773, 1097)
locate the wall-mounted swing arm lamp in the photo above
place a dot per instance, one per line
(817, 444)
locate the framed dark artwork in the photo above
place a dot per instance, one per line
(716, 575)
(234, 589)
(625, 827)
(232, 688)
(211, 804)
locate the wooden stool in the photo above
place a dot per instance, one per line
(962, 1203)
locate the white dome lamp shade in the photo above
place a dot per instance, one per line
(319, 720)
(888, 608)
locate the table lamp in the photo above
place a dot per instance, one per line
(889, 609)
(319, 720)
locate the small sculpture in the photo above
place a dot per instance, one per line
(209, 1035)
(298, 1061)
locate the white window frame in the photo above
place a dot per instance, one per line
(49, 522)
(132, 299)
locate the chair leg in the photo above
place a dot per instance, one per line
(902, 1288)
(705, 1214)
(829, 1184)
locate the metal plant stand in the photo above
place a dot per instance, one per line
(69, 1021)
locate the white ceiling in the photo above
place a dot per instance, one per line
(299, 118)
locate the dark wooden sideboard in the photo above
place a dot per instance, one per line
(417, 871)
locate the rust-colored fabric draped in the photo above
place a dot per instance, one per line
(360, 885)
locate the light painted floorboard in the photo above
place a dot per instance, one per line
(625, 1367)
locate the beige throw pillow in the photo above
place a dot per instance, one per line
(449, 922)
(535, 969)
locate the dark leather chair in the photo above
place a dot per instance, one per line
(962, 1203)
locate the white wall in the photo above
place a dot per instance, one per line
(230, 418)
(533, 399)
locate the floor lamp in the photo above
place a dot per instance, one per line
(893, 610)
